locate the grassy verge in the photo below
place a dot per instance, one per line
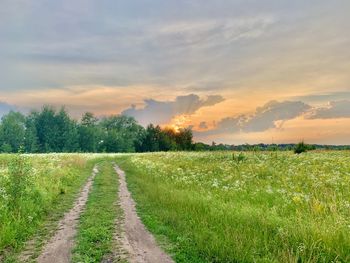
(264, 208)
(52, 185)
(94, 241)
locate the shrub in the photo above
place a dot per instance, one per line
(300, 148)
(239, 158)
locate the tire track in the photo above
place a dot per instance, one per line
(59, 248)
(136, 240)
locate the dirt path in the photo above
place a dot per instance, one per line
(136, 240)
(59, 248)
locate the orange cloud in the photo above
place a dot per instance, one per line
(102, 100)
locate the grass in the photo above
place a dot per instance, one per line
(203, 207)
(277, 207)
(94, 241)
(49, 184)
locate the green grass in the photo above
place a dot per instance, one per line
(48, 191)
(94, 241)
(203, 207)
(276, 207)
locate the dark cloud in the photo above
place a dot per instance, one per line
(335, 109)
(263, 119)
(322, 97)
(266, 116)
(161, 112)
(132, 39)
(231, 44)
(231, 124)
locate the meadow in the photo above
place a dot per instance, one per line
(256, 207)
(35, 191)
(201, 207)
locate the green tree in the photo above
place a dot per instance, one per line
(199, 146)
(56, 131)
(12, 131)
(120, 134)
(89, 133)
(167, 140)
(184, 139)
(31, 144)
(151, 139)
(67, 129)
(47, 133)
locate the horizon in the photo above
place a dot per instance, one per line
(235, 72)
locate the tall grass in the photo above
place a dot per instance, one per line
(31, 188)
(265, 208)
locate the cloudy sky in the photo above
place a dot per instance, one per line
(235, 71)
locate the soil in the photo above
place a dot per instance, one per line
(135, 239)
(59, 248)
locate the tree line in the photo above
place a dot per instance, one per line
(51, 130)
(262, 147)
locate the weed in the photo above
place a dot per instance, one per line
(274, 208)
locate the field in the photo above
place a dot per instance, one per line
(35, 191)
(201, 207)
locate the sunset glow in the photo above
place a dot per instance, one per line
(232, 71)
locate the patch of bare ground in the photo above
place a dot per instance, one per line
(140, 245)
(59, 248)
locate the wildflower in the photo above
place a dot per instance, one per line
(296, 199)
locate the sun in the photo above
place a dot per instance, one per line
(179, 122)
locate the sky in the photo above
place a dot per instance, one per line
(235, 71)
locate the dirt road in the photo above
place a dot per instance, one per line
(136, 240)
(59, 248)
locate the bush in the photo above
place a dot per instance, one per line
(239, 158)
(300, 148)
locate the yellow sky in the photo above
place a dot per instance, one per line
(104, 58)
(103, 100)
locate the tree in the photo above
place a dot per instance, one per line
(12, 131)
(150, 142)
(120, 134)
(31, 144)
(49, 130)
(157, 139)
(167, 140)
(199, 146)
(184, 139)
(89, 133)
(68, 137)
(47, 133)
(56, 132)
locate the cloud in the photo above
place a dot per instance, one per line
(203, 125)
(161, 112)
(324, 97)
(212, 32)
(231, 124)
(263, 119)
(335, 109)
(266, 116)
(155, 46)
(101, 100)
